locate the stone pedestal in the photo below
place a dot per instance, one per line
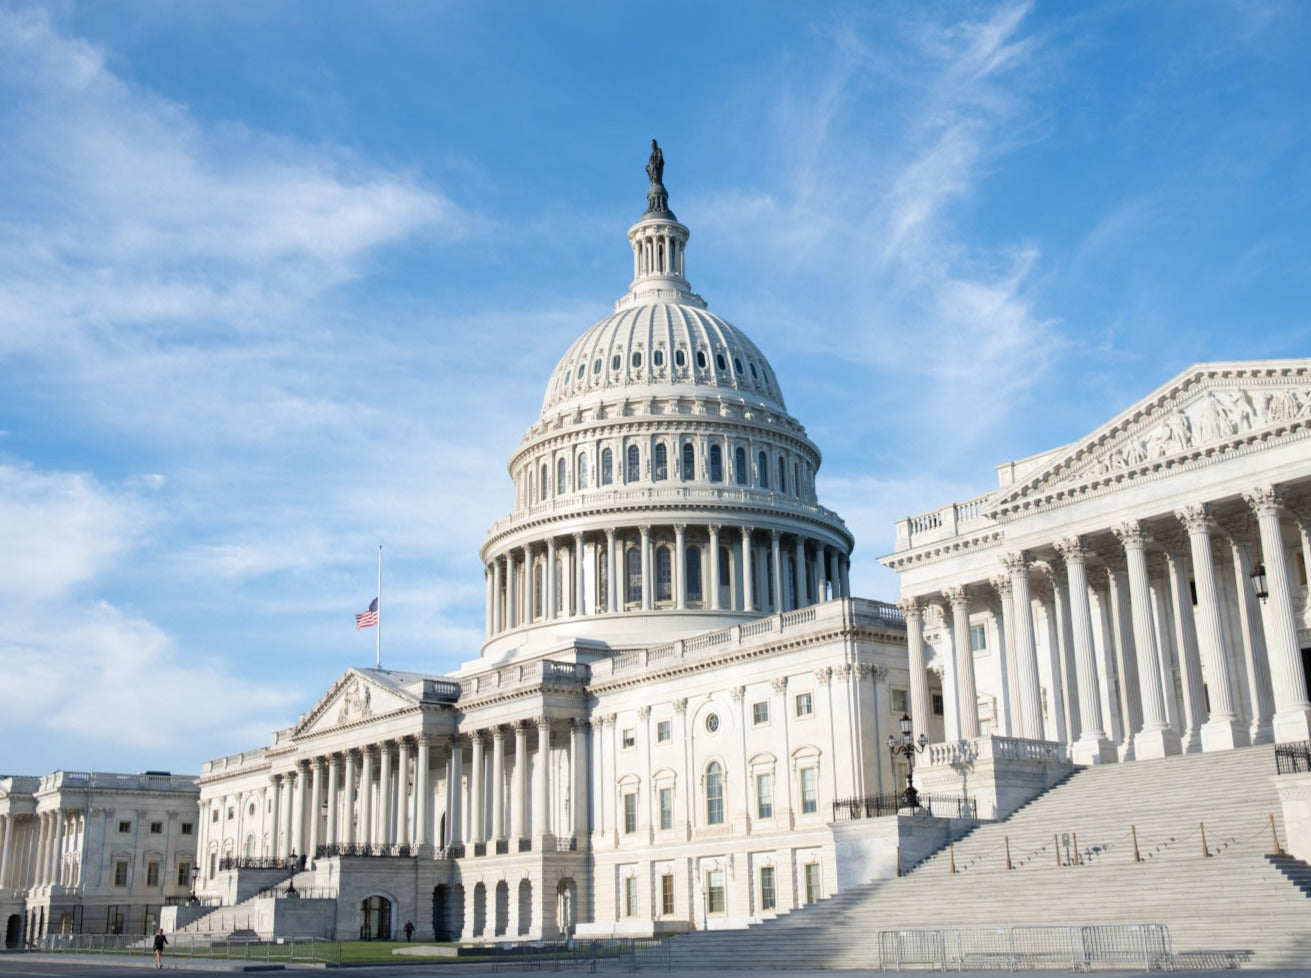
(999, 773)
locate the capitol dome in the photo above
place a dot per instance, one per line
(664, 490)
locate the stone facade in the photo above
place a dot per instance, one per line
(93, 852)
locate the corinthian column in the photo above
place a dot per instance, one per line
(967, 705)
(1156, 738)
(498, 783)
(476, 790)
(1190, 662)
(1092, 746)
(1220, 732)
(1292, 720)
(1239, 531)
(919, 676)
(748, 584)
(541, 781)
(1026, 653)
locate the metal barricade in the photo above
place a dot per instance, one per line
(1027, 947)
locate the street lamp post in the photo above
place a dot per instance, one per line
(195, 874)
(908, 747)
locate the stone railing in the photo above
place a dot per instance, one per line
(994, 748)
(234, 761)
(526, 674)
(99, 780)
(940, 524)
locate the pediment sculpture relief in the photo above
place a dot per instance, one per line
(355, 702)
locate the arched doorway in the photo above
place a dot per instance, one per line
(14, 931)
(502, 909)
(525, 907)
(375, 919)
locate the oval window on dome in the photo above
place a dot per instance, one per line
(754, 375)
(712, 722)
(737, 364)
(658, 358)
(596, 367)
(720, 362)
(701, 359)
(637, 359)
(582, 369)
(616, 362)
(680, 358)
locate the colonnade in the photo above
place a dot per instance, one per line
(661, 566)
(1142, 662)
(32, 849)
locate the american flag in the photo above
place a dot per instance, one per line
(367, 619)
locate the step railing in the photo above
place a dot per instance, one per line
(1293, 758)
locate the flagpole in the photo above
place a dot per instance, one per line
(377, 637)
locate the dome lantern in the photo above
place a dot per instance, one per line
(658, 242)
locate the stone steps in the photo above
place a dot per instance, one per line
(1239, 897)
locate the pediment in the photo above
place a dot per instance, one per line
(1208, 410)
(354, 697)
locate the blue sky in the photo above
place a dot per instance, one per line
(283, 282)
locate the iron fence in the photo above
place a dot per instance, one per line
(892, 802)
(1029, 947)
(365, 850)
(1293, 758)
(617, 953)
(255, 862)
(304, 950)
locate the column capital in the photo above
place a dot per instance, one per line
(774, 535)
(911, 608)
(1131, 534)
(738, 693)
(577, 723)
(1264, 500)
(779, 685)
(1002, 585)
(1241, 528)
(644, 712)
(680, 707)
(1195, 518)
(824, 676)
(1016, 562)
(957, 596)
(1072, 549)
(541, 720)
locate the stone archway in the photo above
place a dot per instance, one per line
(479, 909)
(14, 931)
(502, 926)
(375, 919)
(525, 907)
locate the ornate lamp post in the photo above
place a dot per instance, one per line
(195, 874)
(1259, 582)
(908, 747)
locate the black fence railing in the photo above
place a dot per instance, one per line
(255, 862)
(892, 802)
(1293, 758)
(365, 850)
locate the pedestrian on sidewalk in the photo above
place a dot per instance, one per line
(160, 941)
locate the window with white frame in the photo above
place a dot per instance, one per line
(714, 794)
(715, 902)
(760, 713)
(810, 873)
(664, 731)
(809, 777)
(666, 797)
(630, 896)
(120, 872)
(628, 738)
(630, 812)
(667, 894)
(765, 794)
(805, 704)
(979, 639)
(767, 898)
(900, 701)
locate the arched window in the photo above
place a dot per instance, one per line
(689, 461)
(561, 474)
(716, 464)
(538, 590)
(607, 467)
(796, 478)
(714, 794)
(782, 475)
(740, 466)
(633, 570)
(582, 471)
(602, 578)
(725, 568)
(762, 467)
(701, 359)
(546, 481)
(664, 575)
(634, 464)
(680, 358)
(660, 466)
(693, 557)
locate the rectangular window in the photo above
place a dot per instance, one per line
(809, 791)
(760, 713)
(812, 882)
(937, 705)
(156, 828)
(628, 738)
(765, 795)
(184, 874)
(900, 701)
(766, 887)
(666, 808)
(232, 813)
(715, 891)
(213, 864)
(630, 813)
(214, 815)
(630, 896)
(188, 828)
(663, 732)
(667, 895)
(115, 920)
(124, 828)
(979, 638)
(152, 874)
(805, 705)
(120, 872)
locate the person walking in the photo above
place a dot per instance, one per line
(160, 941)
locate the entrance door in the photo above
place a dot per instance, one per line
(14, 931)
(375, 919)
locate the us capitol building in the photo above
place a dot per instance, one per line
(680, 716)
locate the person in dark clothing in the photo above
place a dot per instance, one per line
(160, 941)
(409, 930)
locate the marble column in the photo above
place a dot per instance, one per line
(1126, 658)
(422, 791)
(612, 572)
(1064, 651)
(300, 801)
(498, 599)
(1155, 738)
(275, 850)
(316, 806)
(511, 599)
(967, 697)
(920, 707)
(578, 764)
(519, 787)
(679, 582)
(348, 798)
(748, 571)
(366, 834)
(578, 600)
(331, 834)
(6, 848)
(1221, 730)
(799, 572)
(403, 802)
(454, 794)
(542, 780)
(1292, 720)
(498, 783)
(476, 789)
(1003, 616)
(548, 582)
(645, 534)
(386, 810)
(713, 584)
(776, 563)
(1190, 663)
(1255, 659)
(1026, 653)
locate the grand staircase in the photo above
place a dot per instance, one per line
(1072, 861)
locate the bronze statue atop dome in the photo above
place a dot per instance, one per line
(655, 165)
(657, 198)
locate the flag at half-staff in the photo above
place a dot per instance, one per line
(367, 619)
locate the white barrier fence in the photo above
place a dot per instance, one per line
(1025, 947)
